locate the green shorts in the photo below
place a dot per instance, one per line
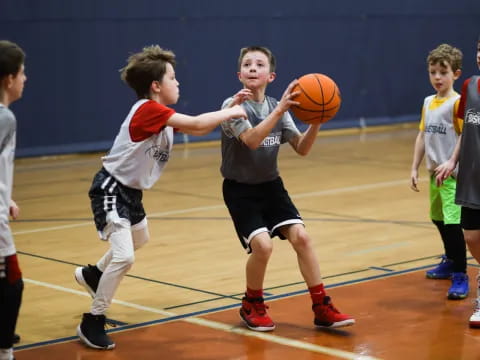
(442, 201)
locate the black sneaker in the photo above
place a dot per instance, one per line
(16, 338)
(92, 332)
(88, 277)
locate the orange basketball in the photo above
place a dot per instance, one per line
(319, 99)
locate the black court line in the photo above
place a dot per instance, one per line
(132, 276)
(238, 296)
(380, 268)
(384, 268)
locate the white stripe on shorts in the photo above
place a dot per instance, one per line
(105, 182)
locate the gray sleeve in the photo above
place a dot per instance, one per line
(234, 127)
(290, 130)
(7, 154)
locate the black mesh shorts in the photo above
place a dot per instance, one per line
(470, 218)
(110, 199)
(256, 208)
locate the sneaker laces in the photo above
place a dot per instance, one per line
(458, 278)
(327, 305)
(259, 306)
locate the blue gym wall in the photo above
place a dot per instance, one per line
(74, 100)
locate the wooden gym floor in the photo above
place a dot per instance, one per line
(180, 300)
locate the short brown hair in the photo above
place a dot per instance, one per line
(146, 66)
(12, 58)
(446, 54)
(266, 51)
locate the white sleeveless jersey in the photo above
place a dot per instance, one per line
(440, 127)
(142, 147)
(8, 127)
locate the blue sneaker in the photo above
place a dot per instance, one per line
(444, 270)
(459, 288)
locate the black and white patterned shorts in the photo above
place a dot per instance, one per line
(112, 200)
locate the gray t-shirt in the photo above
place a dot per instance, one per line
(468, 180)
(8, 126)
(248, 166)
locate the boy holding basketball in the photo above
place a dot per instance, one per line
(439, 130)
(466, 154)
(135, 162)
(12, 80)
(254, 193)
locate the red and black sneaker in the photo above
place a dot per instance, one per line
(326, 315)
(254, 313)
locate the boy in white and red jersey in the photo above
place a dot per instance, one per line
(12, 80)
(468, 179)
(436, 139)
(135, 162)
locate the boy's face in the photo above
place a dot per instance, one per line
(442, 77)
(15, 84)
(255, 70)
(169, 91)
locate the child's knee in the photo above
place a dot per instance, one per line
(140, 237)
(300, 239)
(121, 242)
(262, 246)
(124, 260)
(472, 238)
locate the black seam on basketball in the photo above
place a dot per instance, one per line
(323, 97)
(313, 111)
(321, 90)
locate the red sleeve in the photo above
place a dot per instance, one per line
(463, 100)
(150, 118)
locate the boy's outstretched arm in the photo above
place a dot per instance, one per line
(254, 137)
(418, 154)
(204, 123)
(444, 170)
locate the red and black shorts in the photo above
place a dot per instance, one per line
(9, 268)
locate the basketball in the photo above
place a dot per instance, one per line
(319, 99)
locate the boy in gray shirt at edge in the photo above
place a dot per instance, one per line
(12, 80)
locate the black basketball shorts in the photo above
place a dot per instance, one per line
(257, 208)
(111, 200)
(470, 218)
